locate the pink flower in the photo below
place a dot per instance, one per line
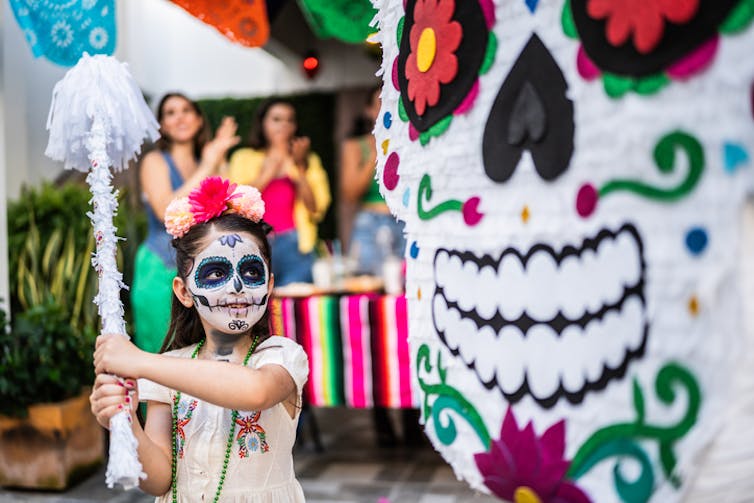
(211, 198)
(178, 217)
(522, 466)
(248, 203)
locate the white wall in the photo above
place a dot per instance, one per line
(27, 89)
(168, 49)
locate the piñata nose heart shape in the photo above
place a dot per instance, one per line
(531, 112)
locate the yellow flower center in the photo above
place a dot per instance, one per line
(426, 50)
(525, 495)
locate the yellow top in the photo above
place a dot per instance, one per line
(245, 165)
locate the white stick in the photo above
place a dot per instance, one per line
(98, 119)
(123, 465)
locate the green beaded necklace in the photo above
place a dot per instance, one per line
(231, 433)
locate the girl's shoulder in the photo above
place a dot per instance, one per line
(280, 350)
(154, 157)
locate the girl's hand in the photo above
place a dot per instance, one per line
(115, 354)
(300, 150)
(112, 395)
(225, 138)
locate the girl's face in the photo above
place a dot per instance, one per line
(180, 122)
(230, 282)
(279, 124)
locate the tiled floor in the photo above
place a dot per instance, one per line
(349, 470)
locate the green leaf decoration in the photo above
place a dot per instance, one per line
(739, 18)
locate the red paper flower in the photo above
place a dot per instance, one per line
(522, 467)
(645, 19)
(433, 39)
(211, 198)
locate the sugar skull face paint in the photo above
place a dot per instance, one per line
(230, 283)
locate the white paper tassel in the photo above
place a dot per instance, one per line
(98, 86)
(98, 118)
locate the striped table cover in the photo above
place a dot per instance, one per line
(357, 347)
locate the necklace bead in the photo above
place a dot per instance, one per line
(231, 433)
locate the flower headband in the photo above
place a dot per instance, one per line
(213, 197)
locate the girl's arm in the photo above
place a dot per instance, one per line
(109, 397)
(355, 174)
(300, 153)
(221, 383)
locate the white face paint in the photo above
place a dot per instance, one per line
(229, 282)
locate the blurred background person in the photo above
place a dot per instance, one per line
(376, 233)
(293, 184)
(183, 157)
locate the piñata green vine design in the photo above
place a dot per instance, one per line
(448, 398)
(665, 156)
(622, 440)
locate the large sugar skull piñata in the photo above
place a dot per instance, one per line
(572, 176)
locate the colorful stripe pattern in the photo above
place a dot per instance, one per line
(357, 347)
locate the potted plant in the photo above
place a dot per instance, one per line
(48, 436)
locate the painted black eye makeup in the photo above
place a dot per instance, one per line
(252, 271)
(213, 272)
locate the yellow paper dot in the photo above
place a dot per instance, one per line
(385, 145)
(525, 495)
(525, 214)
(694, 305)
(419, 293)
(426, 50)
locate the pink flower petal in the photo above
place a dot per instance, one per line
(586, 67)
(695, 61)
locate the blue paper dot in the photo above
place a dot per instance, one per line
(532, 5)
(406, 197)
(414, 250)
(734, 156)
(696, 240)
(387, 120)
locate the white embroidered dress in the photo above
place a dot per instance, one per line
(260, 469)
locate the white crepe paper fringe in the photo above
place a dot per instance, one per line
(98, 86)
(98, 118)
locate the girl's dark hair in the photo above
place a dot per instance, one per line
(363, 125)
(257, 140)
(185, 326)
(202, 136)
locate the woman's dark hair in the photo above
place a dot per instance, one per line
(202, 136)
(185, 326)
(363, 125)
(257, 140)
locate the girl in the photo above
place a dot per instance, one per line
(293, 183)
(224, 398)
(184, 157)
(376, 233)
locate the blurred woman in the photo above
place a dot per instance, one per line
(293, 184)
(376, 233)
(183, 157)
